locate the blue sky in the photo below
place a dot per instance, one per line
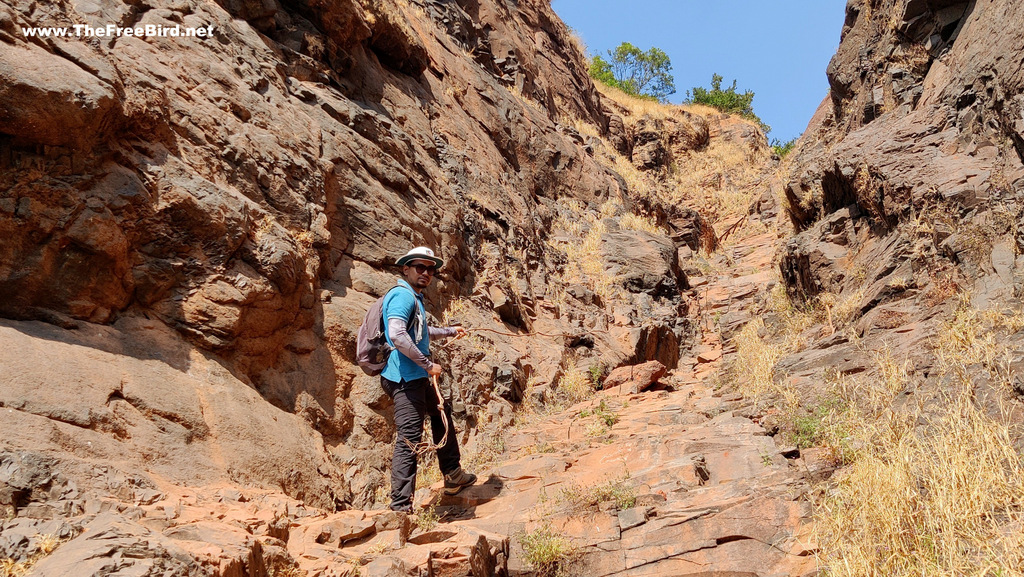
(777, 49)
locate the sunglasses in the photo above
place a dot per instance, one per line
(422, 268)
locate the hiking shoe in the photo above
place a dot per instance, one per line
(457, 480)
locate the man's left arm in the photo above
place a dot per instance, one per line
(445, 332)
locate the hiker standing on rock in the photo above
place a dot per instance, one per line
(406, 379)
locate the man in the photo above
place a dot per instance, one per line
(406, 380)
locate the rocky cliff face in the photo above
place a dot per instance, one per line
(924, 109)
(906, 195)
(911, 169)
(194, 227)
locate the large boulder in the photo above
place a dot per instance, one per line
(635, 378)
(642, 262)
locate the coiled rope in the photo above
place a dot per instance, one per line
(420, 449)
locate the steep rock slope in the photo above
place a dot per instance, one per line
(194, 227)
(907, 183)
(924, 111)
(904, 282)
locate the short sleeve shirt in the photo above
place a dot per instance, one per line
(400, 303)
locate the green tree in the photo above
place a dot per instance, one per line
(728, 100)
(636, 72)
(601, 69)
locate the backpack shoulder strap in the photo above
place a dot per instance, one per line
(383, 321)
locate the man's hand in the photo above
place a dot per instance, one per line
(460, 332)
(434, 370)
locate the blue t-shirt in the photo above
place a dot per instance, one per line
(400, 304)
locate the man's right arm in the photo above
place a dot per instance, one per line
(398, 332)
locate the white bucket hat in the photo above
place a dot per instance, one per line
(420, 253)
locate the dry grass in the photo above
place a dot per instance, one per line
(632, 221)
(935, 486)
(839, 310)
(636, 106)
(575, 386)
(972, 337)
(834, 311)
(457, 312)
(619, 491)
(577, 43)
(601, 419)
(489, 450)
(584, 127)
(894, 373)
(753, 368)
(382, 494)
(797, 317)
(45, 545)
(640, 106)
(722, 180)
(427, 471)
(379, 547)
(584, 265)
(933, 500)
(640, 184)
(549, 553)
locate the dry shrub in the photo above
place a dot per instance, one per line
(547, 552)
(428, 518)
(941, 289)
(575, 386)
(890, 319)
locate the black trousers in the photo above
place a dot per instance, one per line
(414, 400)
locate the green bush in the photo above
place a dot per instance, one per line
(728, 100)
(783, 148)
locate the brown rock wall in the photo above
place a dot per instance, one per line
(920, 126)
(249, 191)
